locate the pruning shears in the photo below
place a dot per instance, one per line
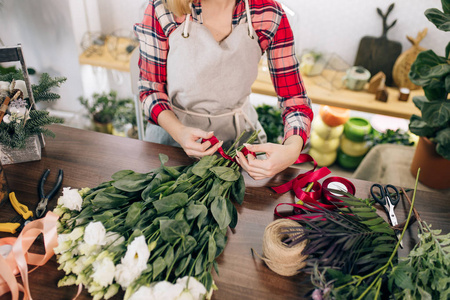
(24, 212)
(21, 209)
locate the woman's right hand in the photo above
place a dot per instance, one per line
(186, 136)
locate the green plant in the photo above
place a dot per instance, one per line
(271, 121)
(21, 125)
(432, 72)
(104, 107)
(389, 137)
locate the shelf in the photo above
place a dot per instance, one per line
(321, 91)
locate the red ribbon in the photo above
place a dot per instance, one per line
(311, 199)
(213, 140)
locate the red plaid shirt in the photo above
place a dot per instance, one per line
(275, 38)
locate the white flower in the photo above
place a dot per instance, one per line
(70, 199)
(76, 233)
(64, 244)
(111, 291)
(185, 295)
(197, 290)
(166, 290)
(67, 280)
(137, 254)
(103, 271)
(79, 265)
(87, 249)
(126, 274)
(21, 85)
(113, 239)
(6, 119)
(143, 293)
(95, 234)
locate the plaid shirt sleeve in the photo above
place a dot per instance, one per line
(276, 38)
(153, 35)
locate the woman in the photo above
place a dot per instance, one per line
(198, 62)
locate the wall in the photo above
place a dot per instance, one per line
(44, 28)
(338, 26)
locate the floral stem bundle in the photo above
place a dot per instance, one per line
(156, 235)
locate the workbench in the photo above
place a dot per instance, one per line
(89, 158)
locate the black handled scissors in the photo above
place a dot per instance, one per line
(42, 205)
(388, 197)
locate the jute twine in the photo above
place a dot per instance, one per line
(279, 257)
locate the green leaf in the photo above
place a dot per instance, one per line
(221, 242)
(133, 182)
(212, 249)
(104, 217)
(169, 256)
(133, 214)
(188, 244)
(171, 202)
(446, 6)
(233, 213)
(420, 127)
(424, 295)
(172, 230)
(238, 190)
(220, 212)
(436, 113)
(107, 200)
(201, 168)
(163, 158)
(198, 269)
(375, 221)
(196, 210)
(182, 265)
(118, 175)
(438, 18)
(158, 266)
(225, 173)
(443, 143)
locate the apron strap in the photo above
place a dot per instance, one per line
(249, 20)
(185, 33)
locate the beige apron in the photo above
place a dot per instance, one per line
(209, 82)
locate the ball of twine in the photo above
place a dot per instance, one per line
(279, 257)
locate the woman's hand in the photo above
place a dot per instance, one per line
(279, 157)
(186, 136)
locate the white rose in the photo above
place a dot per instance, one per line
(137, 254)
(197, 290)
(103, 271)
(167, 290)
(95, 234)
(125, 275)
(143, 293)
(70, 199)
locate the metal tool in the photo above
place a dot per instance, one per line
(42, 205)
(388, 197)
(21, 209)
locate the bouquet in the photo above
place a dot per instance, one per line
(155, 235)
(18, 121)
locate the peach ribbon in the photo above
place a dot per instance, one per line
(18, 259)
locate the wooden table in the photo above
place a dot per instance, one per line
(321, 91)
(90, 158)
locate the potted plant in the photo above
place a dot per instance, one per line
(432, 72)
(21, 123)
(125, 121)
(102, 109)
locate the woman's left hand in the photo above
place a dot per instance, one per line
(278, 157)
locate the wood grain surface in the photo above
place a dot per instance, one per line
(90, 158)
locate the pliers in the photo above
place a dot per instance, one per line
(42, 205)
(27, 216)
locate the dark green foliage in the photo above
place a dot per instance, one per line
(271, 121)
(389, 137)
(104, 107)
(14, 134)
(432, 72)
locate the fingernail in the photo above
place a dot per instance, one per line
(246, 145)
